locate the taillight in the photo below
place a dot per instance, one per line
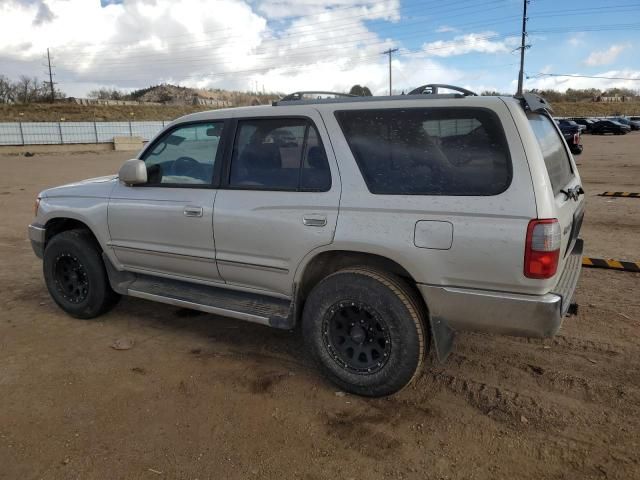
(576, 138)
(542, 249)
(35, 207)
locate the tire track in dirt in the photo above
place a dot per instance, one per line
(498, 402)
(572, 384)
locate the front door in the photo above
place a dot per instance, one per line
(279, 201)
(166, 225)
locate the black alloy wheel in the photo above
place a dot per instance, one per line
(365, 327)
(75, 274)
(357, 337)
(71, 278)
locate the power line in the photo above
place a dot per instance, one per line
(309, 30)
(539, 75)
(357, 38)
(304, 29)
(278, 64)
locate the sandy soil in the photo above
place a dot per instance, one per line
(205, 397)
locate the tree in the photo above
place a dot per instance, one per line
(106, 94)
(6, 90)
(28, 90)
(360, 91)
(493, 93)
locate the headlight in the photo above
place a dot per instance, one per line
(35, 207)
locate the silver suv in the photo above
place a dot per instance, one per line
(383, 225)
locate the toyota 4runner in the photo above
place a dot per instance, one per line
(382, 225)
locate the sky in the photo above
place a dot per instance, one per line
(292, 45)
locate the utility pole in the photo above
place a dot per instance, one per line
(523, 47)
(389, 52)
(53, 95)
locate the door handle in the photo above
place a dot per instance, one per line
(190, 211)
(314, 220)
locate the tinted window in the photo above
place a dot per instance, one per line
(184, 156)
(279, 154)
(555, 154)
(429, 151)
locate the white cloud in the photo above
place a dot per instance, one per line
(605, 57)
(482, 42)
(214, 43)
(279, 9)
(577, 39)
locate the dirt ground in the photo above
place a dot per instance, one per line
(204, 397)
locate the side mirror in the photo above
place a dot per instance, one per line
(133, 172)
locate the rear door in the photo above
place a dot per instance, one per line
(563, 176)
(278, 200)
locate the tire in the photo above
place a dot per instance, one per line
(75, 275)
(370, 312)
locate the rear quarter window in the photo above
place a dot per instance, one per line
(555, 154)
(429, 151)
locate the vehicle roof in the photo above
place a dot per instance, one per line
(351, 103)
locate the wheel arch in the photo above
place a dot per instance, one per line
(326, 262)
(57, 225)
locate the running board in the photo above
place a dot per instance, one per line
(251, 307)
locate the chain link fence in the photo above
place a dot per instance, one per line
(58, 133)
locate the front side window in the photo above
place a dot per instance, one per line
(184, 156)
(429, 151)
(279, 154)
(555, 154)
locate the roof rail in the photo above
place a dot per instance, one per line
(300, 95)
(432, 89)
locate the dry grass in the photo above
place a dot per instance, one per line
(89, 113)
(591, 109)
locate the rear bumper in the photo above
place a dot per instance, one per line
(506, 313)
(37, 236)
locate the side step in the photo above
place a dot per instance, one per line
(270, 311)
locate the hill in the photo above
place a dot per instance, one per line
(71, 112)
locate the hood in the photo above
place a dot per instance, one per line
(92, 187)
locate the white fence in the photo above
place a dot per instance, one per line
(57, 133)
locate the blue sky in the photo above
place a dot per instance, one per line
(558, 41)
(288, 45)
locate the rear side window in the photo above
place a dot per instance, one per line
(429, 151)
(279, 154)
(555, 154)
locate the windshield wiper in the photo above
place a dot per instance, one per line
(573, 193)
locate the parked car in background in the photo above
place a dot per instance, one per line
(571, 133)
(563, 122)
(586, 122)
(610, 126)
(628, 122)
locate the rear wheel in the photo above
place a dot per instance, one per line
(365, 328)
(75, 275)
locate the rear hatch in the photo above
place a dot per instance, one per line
(565, 181)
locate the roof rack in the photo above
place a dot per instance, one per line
(300, 95)
(432, 89)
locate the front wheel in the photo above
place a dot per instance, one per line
(365, 328)
(75, 275)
